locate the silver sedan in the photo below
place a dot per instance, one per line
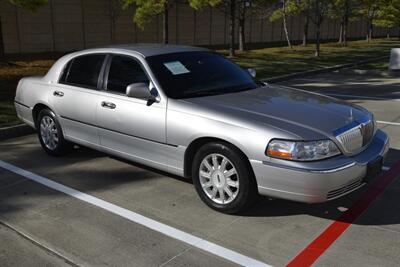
(191, 112)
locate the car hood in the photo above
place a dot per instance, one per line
(291, 110)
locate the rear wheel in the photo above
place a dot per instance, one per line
(223, 179)
(50, 134)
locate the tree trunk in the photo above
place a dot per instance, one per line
(398, 33)
(370, 30)
(345, 24)
(241, 35)
(165, 25)
(285, 24)
(341, 31)
(317, 40)
(242, 19)
(369, 33)
(305, 31)
(2, 54)
(318, 22)
(232, 29)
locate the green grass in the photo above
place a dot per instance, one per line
(271, 62)
(10, 73)
(382, 65)
(268, 62)
(7, 114)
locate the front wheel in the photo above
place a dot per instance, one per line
(50, 134)
(223, 179)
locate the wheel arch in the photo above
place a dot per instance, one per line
(199, 142)
(36, 110)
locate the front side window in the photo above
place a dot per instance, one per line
(194, 74)
(123, 72)
(83, 71)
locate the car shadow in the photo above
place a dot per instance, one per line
(98, 178)
(384, 210)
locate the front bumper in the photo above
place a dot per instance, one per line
(318, 181)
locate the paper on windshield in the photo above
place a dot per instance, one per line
(176, 67)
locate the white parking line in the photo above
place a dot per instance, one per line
(389, 122)
(139, 219)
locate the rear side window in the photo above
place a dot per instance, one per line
(83, 71)
(123, 72)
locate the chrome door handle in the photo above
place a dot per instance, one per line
(109, 105)
(58, 93)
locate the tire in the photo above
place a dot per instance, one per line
(233, 173)
(50, 134)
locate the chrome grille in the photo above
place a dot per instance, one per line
(354, 139)
(367, 132)
(351, 140)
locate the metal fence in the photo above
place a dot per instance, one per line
(65, 25)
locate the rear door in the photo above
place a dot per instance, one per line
(76, 95)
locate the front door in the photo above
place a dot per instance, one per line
(129, 127)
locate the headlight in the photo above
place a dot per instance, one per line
(301, 151)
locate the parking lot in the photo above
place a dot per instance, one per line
(89, 209)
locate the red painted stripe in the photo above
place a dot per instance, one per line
(320, 244)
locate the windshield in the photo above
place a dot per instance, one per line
(194, 74)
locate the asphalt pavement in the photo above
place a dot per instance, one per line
(87, 209)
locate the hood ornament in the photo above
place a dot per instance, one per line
(351, 115)
(350, 118)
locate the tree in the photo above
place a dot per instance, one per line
(226, 6)
(305, 10)
(319, 9)
(287, 7)
(237, 11)
(146, 10)
(263, 7)
(342, 10)
(389, 16)
(369, 10)
(295, 7)
(242, 15)
(31, 5)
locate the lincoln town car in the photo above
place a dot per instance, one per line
(191, 112)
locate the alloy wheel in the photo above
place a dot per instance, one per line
(219, 178)
(49, 132)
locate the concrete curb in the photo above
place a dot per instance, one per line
(319, 71)
(381, 73)
(364, 72)
(15, 131)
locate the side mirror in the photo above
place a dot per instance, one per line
(252, 72)
(140, 90)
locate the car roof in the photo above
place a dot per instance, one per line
(144, 50)
(154, 49)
